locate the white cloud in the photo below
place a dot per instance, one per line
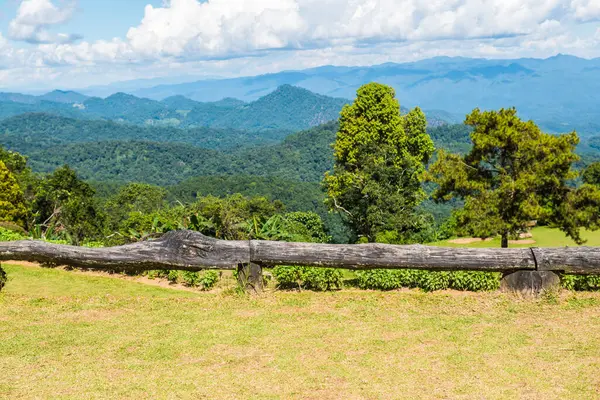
(217, 27)
(225, 27)
(586, 10)
(35, 16)
(225, 36)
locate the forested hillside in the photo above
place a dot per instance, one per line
(298, 108)
(30, 132)
(287, 108)
(105, 151)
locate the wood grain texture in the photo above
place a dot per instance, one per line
(193, 251)
(370, 256)
(183, 250)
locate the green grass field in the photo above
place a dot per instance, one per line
(71, 335)
(543, 236)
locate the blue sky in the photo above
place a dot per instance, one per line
(93, 19)
(78, 43)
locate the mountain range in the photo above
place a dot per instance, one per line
(560, 93)
(287, 108)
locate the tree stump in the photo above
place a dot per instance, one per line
(529, 283)
(250, 278)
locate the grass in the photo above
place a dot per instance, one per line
(543, 236)
(67, 335)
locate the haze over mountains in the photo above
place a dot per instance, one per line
(550, 91)
(561, 93)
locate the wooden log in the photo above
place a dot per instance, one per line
(193, 251)
(572, 260)
(250, 277)
(370, 256)
(182, 250)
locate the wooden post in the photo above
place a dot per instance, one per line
(530, 283)
(250, 277)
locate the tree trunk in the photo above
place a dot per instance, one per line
(504, 244)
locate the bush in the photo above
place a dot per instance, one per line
(383, 279)
(3, 278)
(320, 279)
(580, 282)
(475, 281)
(209, 279)
(205, 280)
(173, 276)
(9, 235)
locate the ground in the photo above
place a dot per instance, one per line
(70, 335)
(541, 237)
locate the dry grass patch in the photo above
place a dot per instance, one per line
(72, 336)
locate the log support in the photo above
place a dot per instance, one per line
(250, 278)
(530, 283)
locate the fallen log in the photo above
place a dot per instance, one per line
(182, 250)
(192, 251)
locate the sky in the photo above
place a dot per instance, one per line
(46, 44)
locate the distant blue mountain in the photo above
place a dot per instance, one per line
(560, 93)
(56, 96)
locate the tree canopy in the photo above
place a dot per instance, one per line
(380, 157)
(513, 174)
(12, 202)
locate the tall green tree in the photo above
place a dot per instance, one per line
(66, 202)
(380, 158)
(12, 202)
(134, 198)
(513, 174)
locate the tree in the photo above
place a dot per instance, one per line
(513, 174)
(14, 162)
(134, 197)
(591, 175)
(65, 201)
(380, 157)
(12, 202)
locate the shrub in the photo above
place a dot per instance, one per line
(190, 278)
(205, 280)
(209, 279)
(382, 279)
(3, 278)
(475, 281)
(320, 279)
(173, 276)
(11, 226)
(580, 282)
(9, 235)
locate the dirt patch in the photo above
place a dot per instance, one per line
(526, 241)
(468, 240)
(21, 263)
